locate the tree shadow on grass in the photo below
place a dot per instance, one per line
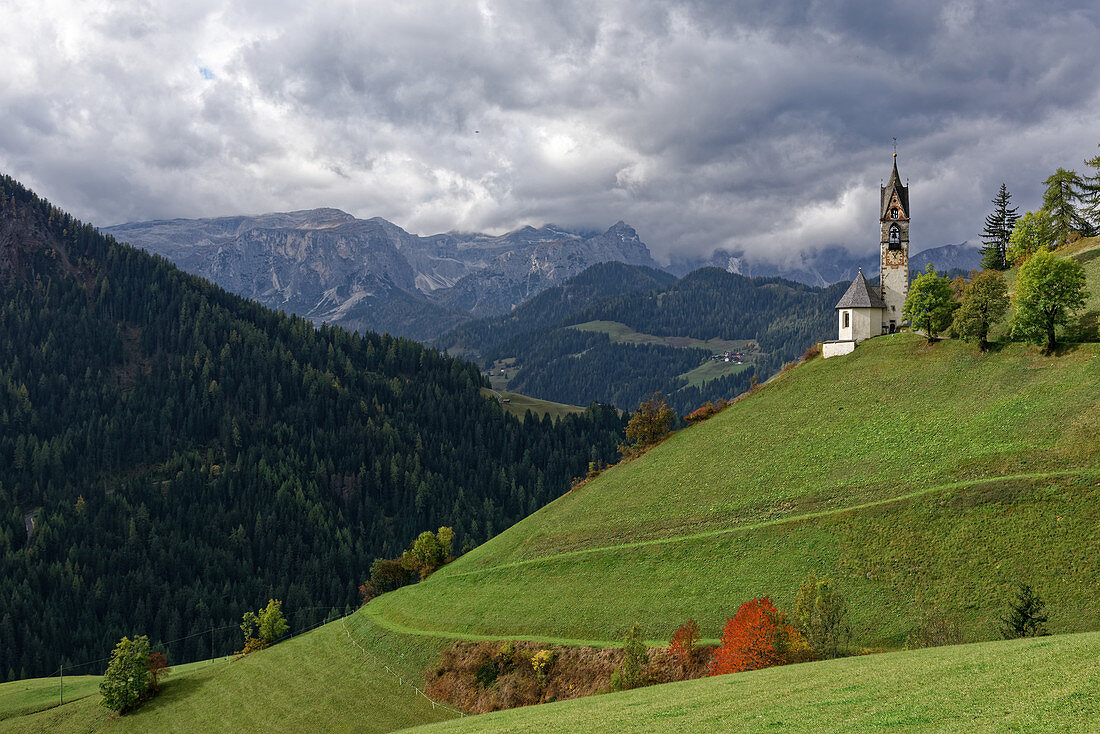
(171, 691)
(1087, 256)
(1088, 327)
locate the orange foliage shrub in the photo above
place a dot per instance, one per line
(251, 645)
(705, 411)
(681, 647)
(758, 636)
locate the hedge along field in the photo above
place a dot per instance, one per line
(1019, 685)
(319, 681)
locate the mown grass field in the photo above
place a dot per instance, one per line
(623, 334)
(710, 370)
(922, 477)
(518, 405)
(1036, 685)
(320, 681)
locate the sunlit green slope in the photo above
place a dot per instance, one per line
(332, 679)
(1036, 685)
(922, 477)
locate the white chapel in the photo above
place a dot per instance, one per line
(868, 310)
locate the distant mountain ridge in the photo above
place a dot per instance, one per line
(829, 265)
(372, 275)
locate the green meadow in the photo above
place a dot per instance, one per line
(334, 678)
(622, 334)
(1044, 685)
(927, 479)
(518, 405)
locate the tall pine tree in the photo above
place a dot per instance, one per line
(998, 228)
(1060, 201)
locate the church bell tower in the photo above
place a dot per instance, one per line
(895, 249)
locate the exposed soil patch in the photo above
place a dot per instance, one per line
(478, 677)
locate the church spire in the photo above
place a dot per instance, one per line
(895, 177)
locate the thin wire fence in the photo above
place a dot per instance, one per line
(400, 679)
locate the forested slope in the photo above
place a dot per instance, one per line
(781, 318)
(190, 454)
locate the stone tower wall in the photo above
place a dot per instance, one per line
(894, 266)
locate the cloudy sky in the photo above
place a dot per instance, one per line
(762, 126)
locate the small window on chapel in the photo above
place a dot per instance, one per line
(847, 323)
(894, 212)
(895, 235)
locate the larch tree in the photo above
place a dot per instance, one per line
(1090, 194)
(1061, 200)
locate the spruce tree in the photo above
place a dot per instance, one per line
(1060, 200)
(1026, 617)
(998, 228)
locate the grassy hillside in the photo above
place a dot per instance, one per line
(697, 377)
(623, 334)
(1035, 685)
(921, 477)
(518, 405)
(321, 680)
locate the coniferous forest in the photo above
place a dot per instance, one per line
(174, 455)
(567, 365)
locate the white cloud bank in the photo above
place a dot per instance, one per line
(758, 126)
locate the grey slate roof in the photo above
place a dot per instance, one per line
(861, 295)
(894, 184)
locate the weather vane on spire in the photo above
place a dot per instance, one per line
(895, 147)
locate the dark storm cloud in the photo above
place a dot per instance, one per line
(763, 126)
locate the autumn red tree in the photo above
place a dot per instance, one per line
(758, 636)
(158, 669)
(681, 647)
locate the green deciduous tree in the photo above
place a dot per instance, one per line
(427, 550)
(1061, 200)
(1026, 616)
(929, 304)
(984, 302)
(632, 672)
(267, 624)
(1032, 233)
(998, 228)
(820, 614)
(128, 680)
(1049, 289)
